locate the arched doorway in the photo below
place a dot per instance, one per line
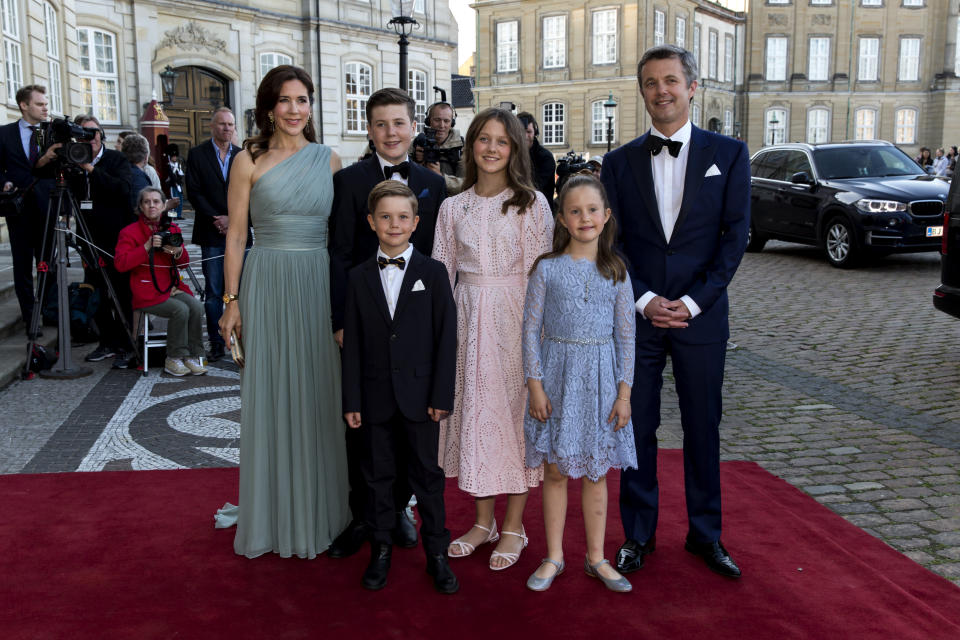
(198, 93)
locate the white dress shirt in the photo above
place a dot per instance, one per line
(396, 176)
(391, 277)
(669, 174)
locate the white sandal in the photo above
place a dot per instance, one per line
(464, 549)
(510, 556)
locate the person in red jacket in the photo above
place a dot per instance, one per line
(159, 290)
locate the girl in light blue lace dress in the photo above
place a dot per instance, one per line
(578, 350)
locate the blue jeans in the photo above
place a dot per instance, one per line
(177, 192)
(213, 292)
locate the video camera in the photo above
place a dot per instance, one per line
(431, 148)
(568, 165)
(76, 148)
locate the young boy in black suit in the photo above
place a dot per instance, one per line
(399, 359)
(391, 125)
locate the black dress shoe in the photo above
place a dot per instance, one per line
(715, 556)
(443, 579)
(404, 533)
(216, 353)
(631, 554)
(375, 577)
(349, 542)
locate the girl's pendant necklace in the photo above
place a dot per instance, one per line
(586, 286)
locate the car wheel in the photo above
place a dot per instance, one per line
(840, 243)
(755, 240)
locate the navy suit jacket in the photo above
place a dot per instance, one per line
(708, 240)
(351, 240)
(15, 167)
(207, 191)
(407, 362)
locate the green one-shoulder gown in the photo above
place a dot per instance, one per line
(293, 470)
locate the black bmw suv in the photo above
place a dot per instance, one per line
(849, 198)
(946, 297)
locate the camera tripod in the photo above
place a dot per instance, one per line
(63, 205)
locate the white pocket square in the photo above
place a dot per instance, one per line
(712, 171)
(418, 286)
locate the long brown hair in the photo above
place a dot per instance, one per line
(268, 94)
(518, 167)
(609, 264)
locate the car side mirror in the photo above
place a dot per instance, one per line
(801, 177)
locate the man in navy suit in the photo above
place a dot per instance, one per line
(681, 197)
(391, 125)
(19, 153)
(207, 176)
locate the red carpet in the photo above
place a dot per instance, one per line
(135, 555)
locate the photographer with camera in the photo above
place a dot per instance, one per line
(151, 249)
(19, 155)
(102, 188)
(440, 147)
(544, 166)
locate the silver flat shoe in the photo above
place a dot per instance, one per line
(620, 585)
(542, 584)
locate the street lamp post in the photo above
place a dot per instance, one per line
(773, 131)
(609, 108)
(403, 25)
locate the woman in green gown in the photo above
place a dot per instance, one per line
(293, 477)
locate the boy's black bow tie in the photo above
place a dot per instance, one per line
(655, 144)
(403, 169)
(400, 263)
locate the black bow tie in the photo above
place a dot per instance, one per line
(400, 263)
(403, 169)
(655, 144)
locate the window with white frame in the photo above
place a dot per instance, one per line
(865, 124)
(99, 77)
(956, 61)
(872, 3)
(599, 123)
(909, 68)
(728, 58)
(680, 32)
(418, 6)
(776, 58)
(778, 1)
(775, 126)
(554, 42)
(712, 44)
(818, 125)
(605, 36)
(868, 60)
(55, 90)
(508, 46)
(417, 88)
(553, 120)
(696, 45)
(727, 122)
(913, 3)
(695, 114)
(906, 129)
(818, 58)
(821, 1)
(271, 59)
(11, 48)
(357, 87)
(659, 27)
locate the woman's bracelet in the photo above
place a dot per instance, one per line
(624, 399)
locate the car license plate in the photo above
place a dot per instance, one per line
(934, 232)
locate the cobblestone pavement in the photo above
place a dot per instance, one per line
(844, 383)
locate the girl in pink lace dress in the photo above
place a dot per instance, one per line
(488, 237)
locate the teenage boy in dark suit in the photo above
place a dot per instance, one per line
(391, 126)
(399, 358)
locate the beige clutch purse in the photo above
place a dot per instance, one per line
(236, 348)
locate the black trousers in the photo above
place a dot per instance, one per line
(421, 441)
(26, 242)
(356, 451)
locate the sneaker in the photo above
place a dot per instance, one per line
(175, 367)
(123, 360)
(100, 353)
(196, 367)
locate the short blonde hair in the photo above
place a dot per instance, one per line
(388, 189)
